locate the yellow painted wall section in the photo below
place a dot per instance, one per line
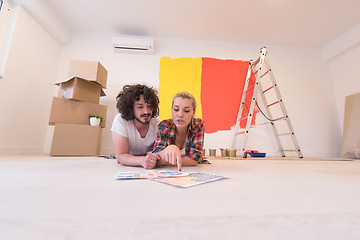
(175, 75)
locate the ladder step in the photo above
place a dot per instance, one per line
(240, 133)
(255, 63)
(249, 88)
(264, 74)
(268, 89)
(247, 102)
(243, 118)
(290, 150)
(284, 134)
(273, 103)
(277, 119)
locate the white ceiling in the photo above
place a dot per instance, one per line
(310, 23)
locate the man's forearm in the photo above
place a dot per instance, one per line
(129, 160)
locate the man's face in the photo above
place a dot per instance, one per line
(142, 111)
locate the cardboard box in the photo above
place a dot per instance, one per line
(351, 133)
(75, 140)
(90, 70)
(75, 112)
(80, 89)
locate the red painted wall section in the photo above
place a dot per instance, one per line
(222, 84)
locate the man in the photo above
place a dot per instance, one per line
(135, 127)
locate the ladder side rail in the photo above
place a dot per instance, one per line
(276, 89)
(267, 109)
(269, 115)
(241, 109)
(296, 144)
(285, 113)
(253, 64)
(249, 120)
(252, 107)
(242, 102)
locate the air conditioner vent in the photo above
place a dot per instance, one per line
(133, 44)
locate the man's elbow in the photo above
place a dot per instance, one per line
(120, 158)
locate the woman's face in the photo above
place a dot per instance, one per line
(182, 112)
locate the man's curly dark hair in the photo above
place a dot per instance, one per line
(131, 93)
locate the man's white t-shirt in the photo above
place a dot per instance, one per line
(137, 145)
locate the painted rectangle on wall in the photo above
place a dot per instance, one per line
(216, 84)
(179, 74)
(222, 84)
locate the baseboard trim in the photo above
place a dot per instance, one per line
(21, 150)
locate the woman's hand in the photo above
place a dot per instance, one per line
(173, 156)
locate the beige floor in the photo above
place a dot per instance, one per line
(77, 198)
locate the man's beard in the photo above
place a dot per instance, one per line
(145, 121)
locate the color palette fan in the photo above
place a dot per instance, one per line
(192, 179)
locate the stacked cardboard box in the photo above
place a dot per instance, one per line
(78, 97)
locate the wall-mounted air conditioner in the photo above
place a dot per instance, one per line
(133, 44)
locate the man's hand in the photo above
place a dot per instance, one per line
(150, 160)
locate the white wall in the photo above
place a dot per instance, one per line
(8, 16)
(300, 72)
(36, 60)
(26, 89)
(345, 77)
(343, 58)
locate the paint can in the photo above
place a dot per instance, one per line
(223, 153)
(231, 152)
(212, 152)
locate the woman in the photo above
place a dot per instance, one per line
(180, 140)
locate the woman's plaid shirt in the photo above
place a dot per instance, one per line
(194, 140)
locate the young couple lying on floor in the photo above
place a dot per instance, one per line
(141, 139)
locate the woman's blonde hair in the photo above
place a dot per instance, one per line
(185, 95)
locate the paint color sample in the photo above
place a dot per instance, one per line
(148, 174)
(179, 74)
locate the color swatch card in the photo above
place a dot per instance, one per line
(149, 174)
(192, 179)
